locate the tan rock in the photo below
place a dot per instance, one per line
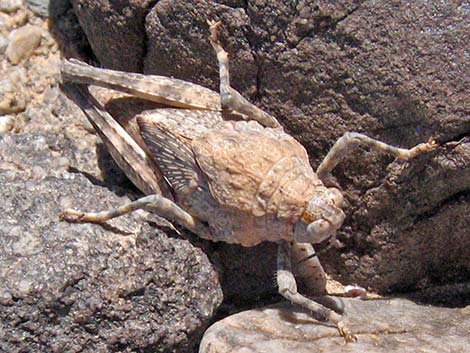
(23, 42)
(9, 6)
(12, 102)
(396, 325)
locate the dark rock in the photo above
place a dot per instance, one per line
(425, 239)
(82, 287)
(178, 29)
(248, 273)
(380, 326)
(115, 30)
(395, 71)
(67, 31)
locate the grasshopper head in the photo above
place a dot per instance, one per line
(321, 218)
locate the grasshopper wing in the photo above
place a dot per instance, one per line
(168, 134)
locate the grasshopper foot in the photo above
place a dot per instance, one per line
(346, 333)
(214, 28)
(429, 146)
(72, 216)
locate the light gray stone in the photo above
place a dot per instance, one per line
(39, 7)
(395, 325)
(7, 123)
(3, 44)
(48, 8)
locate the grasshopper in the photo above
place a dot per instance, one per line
(224, 169)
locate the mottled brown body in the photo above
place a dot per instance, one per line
(248, 182)
(260, 178)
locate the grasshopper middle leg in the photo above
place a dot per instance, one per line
(231, 100)
(350, 140)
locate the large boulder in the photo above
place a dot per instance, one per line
(395, 325)
(82, 287)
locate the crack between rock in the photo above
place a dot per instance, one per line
(257, 94)
(461, 138)
(386, 332)
(256, 60)
(452, 199)
(438, 295)
(346, 15)
(326, 336)
(244, 5)
(454, 139)
(145, 40)
(268, 333)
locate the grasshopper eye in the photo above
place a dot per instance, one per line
(336, 197)
(319, 230)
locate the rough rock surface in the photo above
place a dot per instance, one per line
(123, 21)
(25, 85)
(395, 325)
(85, 288)
(313, 65)
(70, 287)
(393, 70)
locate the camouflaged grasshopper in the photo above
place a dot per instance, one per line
(239, 180)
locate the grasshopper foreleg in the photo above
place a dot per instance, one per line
(288, 289)
(307, 266)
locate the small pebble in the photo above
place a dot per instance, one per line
(19, 19)
(38, 172)
(9, 6)
(355, 291)
(6, 298)
(41, 7)
(7, 123)
(22, 43)
(3, 44)
(12, 103)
